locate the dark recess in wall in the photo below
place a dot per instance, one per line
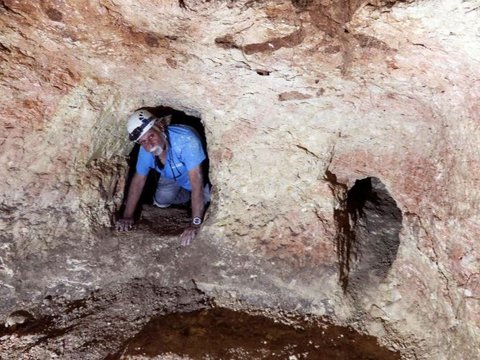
(376, 223)
(368, 232)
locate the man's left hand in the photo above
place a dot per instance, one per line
(189, 234)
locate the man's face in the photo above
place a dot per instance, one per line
(150, 140)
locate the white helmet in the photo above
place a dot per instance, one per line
(139, 123)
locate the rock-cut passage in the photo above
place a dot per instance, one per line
(171, 216)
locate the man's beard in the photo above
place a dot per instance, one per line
(156, 151)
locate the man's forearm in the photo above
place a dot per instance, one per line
(196, 181)
(198, 206)
(134, 192)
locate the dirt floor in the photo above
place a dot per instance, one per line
(175, 324)
(141, 319)
(167, 222)
(225, 334)
(95, 327)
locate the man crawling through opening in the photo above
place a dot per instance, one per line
(176, 153)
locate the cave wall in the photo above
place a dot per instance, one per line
(288, 92)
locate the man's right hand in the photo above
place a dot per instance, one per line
(124, 224)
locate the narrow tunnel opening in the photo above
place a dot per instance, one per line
(175, 216)
(376, 222)
(368, 232)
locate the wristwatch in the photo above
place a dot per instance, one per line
(196, 221)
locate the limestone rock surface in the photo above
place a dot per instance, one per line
(302, 101)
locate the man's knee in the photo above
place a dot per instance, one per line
(169, 192)
(160, 204)
(166, 192)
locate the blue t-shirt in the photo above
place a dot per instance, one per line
(184, 153)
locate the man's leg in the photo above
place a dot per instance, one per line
(168, 192)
